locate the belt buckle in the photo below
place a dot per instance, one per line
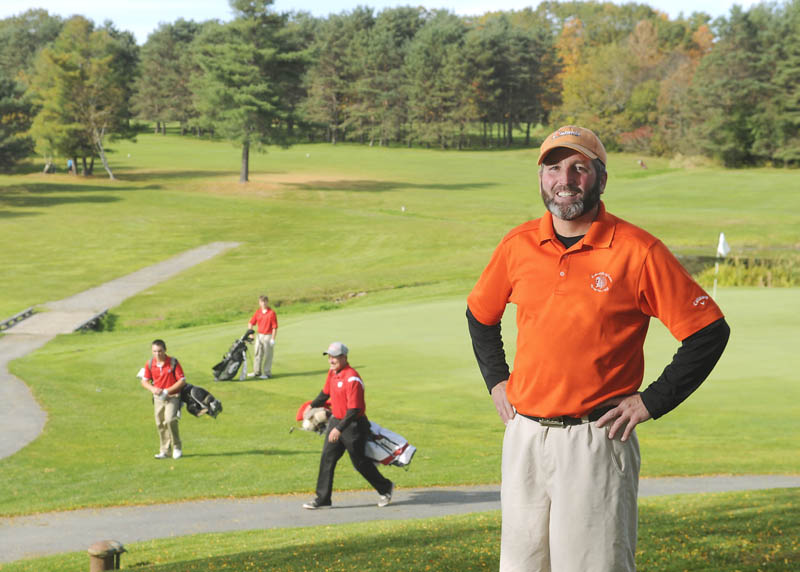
(552, 422)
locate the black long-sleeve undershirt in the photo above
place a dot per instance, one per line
(690, 365)
(345, 421)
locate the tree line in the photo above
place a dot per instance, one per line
(727, 88)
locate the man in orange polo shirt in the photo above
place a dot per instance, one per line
(585, 284)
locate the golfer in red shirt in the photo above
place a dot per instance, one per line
(348, 429)
(164, 378)
(265, 322)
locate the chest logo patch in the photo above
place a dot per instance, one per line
(601, 282)
(700, 301)
(340, 384)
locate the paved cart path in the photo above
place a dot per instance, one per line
(21, 418)
(57, 532)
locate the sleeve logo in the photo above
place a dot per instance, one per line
(601, 282)
(700, 301)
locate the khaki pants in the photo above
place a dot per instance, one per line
(569, 499)
(262, 360)
(167, 417)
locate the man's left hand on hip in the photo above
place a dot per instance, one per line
(627, 413)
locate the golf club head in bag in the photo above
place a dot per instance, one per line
(316, 419)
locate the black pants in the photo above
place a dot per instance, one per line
(352, 440)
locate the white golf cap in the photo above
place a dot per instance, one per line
(336, 349)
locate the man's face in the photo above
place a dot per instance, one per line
(568, 184)
(264, 304)
(336, 363)
(158, 352)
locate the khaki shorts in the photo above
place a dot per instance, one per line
(569, 499)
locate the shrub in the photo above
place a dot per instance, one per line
(741, 271)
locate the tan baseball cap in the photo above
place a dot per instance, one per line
(336, 349)
(583, 140)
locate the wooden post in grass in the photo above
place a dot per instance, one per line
(105, 555)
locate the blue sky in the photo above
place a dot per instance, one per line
(142, 16)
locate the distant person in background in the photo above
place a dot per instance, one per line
(265, 323)
(163, 377)
(348, 429)
(585, 284)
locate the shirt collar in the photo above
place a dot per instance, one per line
(600, 233)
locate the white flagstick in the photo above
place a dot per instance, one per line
(722, 251)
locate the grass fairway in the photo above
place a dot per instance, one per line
(421, 382)
(378, 248)
(744, 532)
(311, 203)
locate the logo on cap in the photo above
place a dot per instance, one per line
(580, 139)
(558, 134)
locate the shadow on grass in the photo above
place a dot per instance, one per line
(273, 377)
(369, 186)
(279, 376)
(438, 546)
(745, 532)
(447, 497)
(24, 168)
(44, 195)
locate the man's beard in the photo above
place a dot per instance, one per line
(585, 203)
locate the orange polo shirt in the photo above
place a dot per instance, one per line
(583, 312)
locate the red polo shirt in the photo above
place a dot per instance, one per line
(162, 376)
(346, 391)
(583, 312)
(267, 321)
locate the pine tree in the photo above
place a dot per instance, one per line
(81, 85)
(440, 89)
(726, 90)
(380, 91)
(162, 90)
(237, 91)
(21, 39)
(16, 115)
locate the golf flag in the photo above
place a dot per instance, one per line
(723, 248)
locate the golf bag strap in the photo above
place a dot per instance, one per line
(173, 364)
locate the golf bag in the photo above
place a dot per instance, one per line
(235, 358)
(199, 401)
(388, 448)
(384, 447)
